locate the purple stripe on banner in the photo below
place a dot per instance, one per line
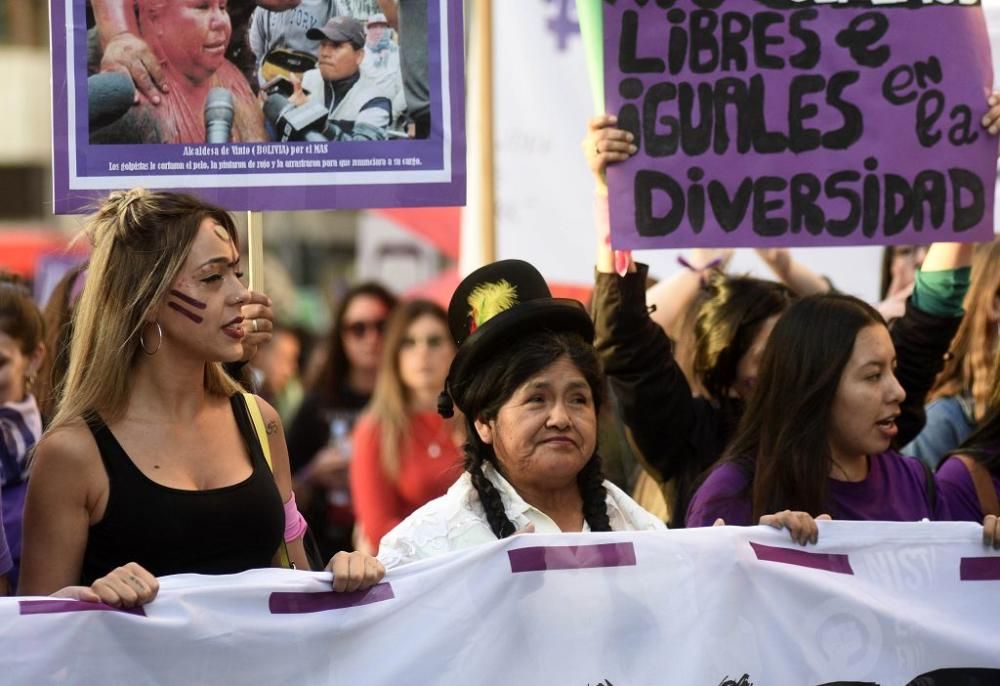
(979, 569)
(48, 607)
(544, 558)
(829, 562)
(304, 603)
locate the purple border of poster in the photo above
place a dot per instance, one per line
(699, 169)
(428, 173)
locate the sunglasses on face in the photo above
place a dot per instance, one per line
(360, 328)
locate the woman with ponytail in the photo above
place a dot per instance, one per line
(528, 382)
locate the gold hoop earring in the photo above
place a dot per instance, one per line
(159, 342)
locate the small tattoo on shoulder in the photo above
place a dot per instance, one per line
(272, 427)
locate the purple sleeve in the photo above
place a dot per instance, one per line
(957, 492)
(722, 495)
(6, 562)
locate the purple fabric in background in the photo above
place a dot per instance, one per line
(777, 173)
(411, 173)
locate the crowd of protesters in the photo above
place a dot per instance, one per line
(132, 445)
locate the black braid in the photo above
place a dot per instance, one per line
(488, 495)
(595, 506)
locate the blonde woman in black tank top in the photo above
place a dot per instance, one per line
(151, 465)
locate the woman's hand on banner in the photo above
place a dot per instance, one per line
(128, 586)
(801, 525)
(354, 571)
(991, 531)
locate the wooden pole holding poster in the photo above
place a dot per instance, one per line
(482, 44)
(255, 250)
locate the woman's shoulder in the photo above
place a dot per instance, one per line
(69, 451)
(721, 496)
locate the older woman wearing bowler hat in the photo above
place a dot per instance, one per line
(529, 384)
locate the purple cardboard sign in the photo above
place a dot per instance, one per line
(272, 155)
(770, 123)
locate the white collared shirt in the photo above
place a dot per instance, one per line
(456, 520)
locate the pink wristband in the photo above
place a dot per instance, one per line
(295, 523)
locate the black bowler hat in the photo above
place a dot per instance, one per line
(498, 303)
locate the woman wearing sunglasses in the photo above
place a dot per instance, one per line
(405, 453)
(319, 438)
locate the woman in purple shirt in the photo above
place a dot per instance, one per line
(816, 434)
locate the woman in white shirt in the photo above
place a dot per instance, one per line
(529, 384)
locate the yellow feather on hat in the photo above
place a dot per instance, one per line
(487, 300)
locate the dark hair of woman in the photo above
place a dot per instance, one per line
(329, 382)
(485, 390)
(782, 439)
(58, 315)
(885, 271)
(731, 314)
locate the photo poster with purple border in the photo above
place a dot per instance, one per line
(780, 123)
(264, 176)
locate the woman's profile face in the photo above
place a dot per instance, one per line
(425, 353)
(867, 402)
(546, 432)
(202, 310)
(194, 35)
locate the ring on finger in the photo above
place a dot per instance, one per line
(254, 325)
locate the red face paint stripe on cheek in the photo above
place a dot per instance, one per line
(188, 299)
(190, 315)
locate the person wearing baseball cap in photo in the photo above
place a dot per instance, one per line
(528, 382)
(358, 108)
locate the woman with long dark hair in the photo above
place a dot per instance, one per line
(530, 386)
(319, 437)
(817, 432)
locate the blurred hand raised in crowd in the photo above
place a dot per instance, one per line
(258, 323)
(354, 571)
(801, 526)
(604, 144)
(128, 53)
(127, 586)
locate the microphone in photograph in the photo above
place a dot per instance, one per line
(109, 96)
(218, 115)
(302, 123)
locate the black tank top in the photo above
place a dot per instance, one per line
(174, 531)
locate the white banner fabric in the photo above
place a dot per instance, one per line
(871, 603)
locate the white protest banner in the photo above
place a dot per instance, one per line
(872, 603)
